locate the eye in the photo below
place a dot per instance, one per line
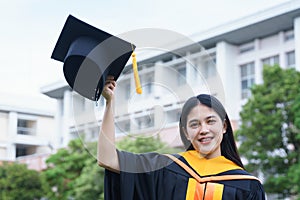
(211, 121)
(194, 125)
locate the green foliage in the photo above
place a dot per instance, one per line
(270, 130)
(90, 183)
(64, 168)
(17, 182)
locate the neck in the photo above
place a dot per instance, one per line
(210, 155)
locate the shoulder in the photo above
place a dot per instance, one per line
(244, 186)
(143, 162)
(241, 175)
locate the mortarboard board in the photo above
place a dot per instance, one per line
(89, 56)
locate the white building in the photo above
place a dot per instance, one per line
(233, 61)
(25, 130)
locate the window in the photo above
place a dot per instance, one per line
(24, 150)
(127, 91)
(26, 127)
(271, 60)
(172, 116)
(210, 68)
(83, 103)
(21, 151)
(288, 35)
(290, 59)
(181, 77)
(92, 134)
(145, 122)
(127, 126)
(148, 86)
(247, 79)
(246, 47)
(167, 59)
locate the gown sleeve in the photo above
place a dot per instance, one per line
(243, 188)
(140, 177)
(111, 185)
(257, 191)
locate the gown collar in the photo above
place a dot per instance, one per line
(206, 167)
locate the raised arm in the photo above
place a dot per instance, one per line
(107, 152)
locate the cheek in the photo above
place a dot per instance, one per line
(219, 134)
(218, 129)
(191, 133)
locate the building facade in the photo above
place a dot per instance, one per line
(25, 131)
(231, 63)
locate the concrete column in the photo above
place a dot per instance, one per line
(297, 42)
(159, 117)
(228, 73)
(59, 123)
(190, 71)
(12, 124)
(282, 55)
(12, 132)
(158, 91)
(66, 117)
(158, 80)
(11, 152)
(257, 63)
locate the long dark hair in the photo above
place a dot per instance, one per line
(228, 145)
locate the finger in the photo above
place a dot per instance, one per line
(114, 83)
(109, 77)
(111, 85)
(110, 82)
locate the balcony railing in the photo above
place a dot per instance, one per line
(26, 131)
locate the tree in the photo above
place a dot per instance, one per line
(17, 182)
(90, 183)
(270, 130)
(63, 168)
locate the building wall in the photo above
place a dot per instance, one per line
(24, 133)
(4, 127)
(297, 41)
(169, 80)
(149, 113)
(226, 55)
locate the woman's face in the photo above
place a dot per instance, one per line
(205, 129)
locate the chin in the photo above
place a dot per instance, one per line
(207, 151)
(204, 154)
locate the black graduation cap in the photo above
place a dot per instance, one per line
(89, 56)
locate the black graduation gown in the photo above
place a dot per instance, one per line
(153, 176)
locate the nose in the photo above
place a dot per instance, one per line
(204, 129)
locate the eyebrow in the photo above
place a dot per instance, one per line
(193, 120)
(211, 116)
(206, 118)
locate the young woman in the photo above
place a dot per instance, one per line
(210, 168)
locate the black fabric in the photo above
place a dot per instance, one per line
(89, 56)
(166, 183)
(242, 189)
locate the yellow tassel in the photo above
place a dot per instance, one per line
(138, 87)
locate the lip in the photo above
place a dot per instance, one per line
(205, 140)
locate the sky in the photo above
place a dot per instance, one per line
(30, 28)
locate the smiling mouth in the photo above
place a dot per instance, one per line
(205, 140)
